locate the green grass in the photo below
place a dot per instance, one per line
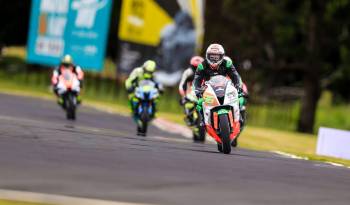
(266, 139)
(7, 202)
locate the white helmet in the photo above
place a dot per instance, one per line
(215, 55)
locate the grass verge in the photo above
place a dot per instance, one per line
(7, 202)
(256, 138)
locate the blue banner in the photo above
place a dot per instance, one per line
(75, 27)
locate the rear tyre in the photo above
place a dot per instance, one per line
(225, 133)
(199, 134)
(234, 142)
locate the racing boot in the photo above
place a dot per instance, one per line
(199, 108)
(79, 99)
(154, 109)
(60, 102)
(189, 111)
(133, 102)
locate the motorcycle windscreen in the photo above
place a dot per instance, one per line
(219, 83)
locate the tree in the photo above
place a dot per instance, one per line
(14, 22)
(304, 38)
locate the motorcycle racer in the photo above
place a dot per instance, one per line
(186, 83)
(66, 63)
(215, 63)
(188, 75)
(145, 72)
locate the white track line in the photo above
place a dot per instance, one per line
(336, 164)
(285, 154)
(32, 197)
(290, 155)
(175, 128)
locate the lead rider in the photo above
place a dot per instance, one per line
(215, 64)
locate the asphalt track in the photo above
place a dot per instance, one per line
(99, 156)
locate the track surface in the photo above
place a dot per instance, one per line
(99, 156)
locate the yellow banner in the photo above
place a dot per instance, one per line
(141, 21)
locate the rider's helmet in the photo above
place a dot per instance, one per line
(215, 55)
(148, 69)
(195, 61)
(67, 61)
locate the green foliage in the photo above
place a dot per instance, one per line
(274, 115)
(289, 43)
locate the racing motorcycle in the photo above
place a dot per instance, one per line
(221, 111)
(69, 88)
(193, 118)
(146, 94)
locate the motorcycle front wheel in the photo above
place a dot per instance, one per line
(225, 133)
(142, 128)
(70, 107)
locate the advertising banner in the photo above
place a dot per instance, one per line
(75, 27)
(333, 143)
(169, 32)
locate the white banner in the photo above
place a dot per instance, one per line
(333, 143)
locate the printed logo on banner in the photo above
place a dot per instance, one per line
(75, 27)
(52, 23)
(168, 32)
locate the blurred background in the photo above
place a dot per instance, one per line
(293, 55)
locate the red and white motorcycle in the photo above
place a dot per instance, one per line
(221, 111)
(69, 87)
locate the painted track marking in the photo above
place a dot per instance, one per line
(32, 197)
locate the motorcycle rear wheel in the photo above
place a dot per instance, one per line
(199, 134)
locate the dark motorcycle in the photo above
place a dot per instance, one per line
(146, 93)
(193, 118)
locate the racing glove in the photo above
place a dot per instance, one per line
(130, 90)
(239, 90)
(183, 100)
(199, 92)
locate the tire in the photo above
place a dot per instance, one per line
(70, 107)
(225, 133)
(140, 131)
(234, 142)
(144, 122)
(220, 147)
(199, 134)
